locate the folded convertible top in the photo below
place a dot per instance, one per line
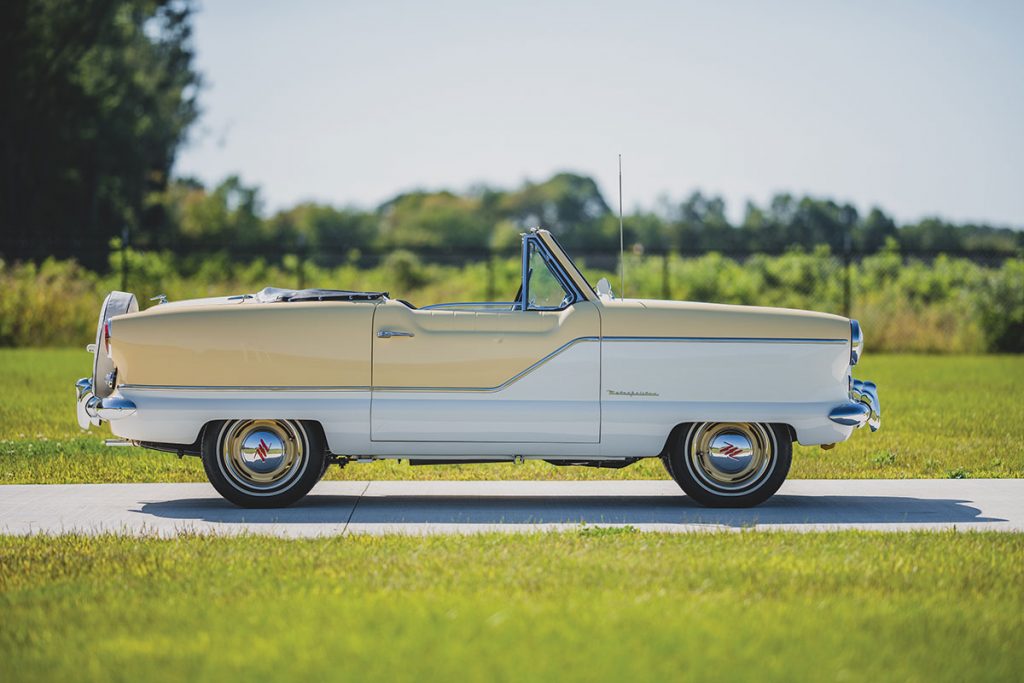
(273, 294)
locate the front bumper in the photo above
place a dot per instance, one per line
(92, 409)
(862, 409)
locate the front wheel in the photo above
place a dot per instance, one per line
(731, 464)
(263, 463)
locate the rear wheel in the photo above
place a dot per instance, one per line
(731, 464)
(263, 463)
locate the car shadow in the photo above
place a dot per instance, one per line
(663, 510)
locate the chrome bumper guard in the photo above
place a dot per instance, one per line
(863, 408)
(92, 409)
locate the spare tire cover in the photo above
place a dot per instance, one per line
(116, 303)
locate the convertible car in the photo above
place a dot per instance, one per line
(270, 388)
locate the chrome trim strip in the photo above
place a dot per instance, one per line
(524, 282)
(469, 305)
(730, 340)
(184, 387)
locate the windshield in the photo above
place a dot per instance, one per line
(571, 263)
(545, 289)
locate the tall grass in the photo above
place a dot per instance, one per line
(946, 305)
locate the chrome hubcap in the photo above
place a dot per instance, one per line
(262, 456)
(730, 454)
(262, 452)
(730, 457)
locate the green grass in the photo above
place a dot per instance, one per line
(943, 416)
(591, 605)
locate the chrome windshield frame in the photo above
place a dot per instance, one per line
(531, 238)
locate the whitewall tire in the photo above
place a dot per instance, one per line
(263, 463)
(730, 464)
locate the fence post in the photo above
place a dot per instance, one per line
(301, 265)
(124, 259)
(846, 275)
(666, 285)
(490, 276)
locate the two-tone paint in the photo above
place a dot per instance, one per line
(599, 378)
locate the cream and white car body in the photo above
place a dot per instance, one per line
(593, 378)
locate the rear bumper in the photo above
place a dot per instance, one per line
(92, 409)
(862, 409)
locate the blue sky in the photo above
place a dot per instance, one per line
(917, 107)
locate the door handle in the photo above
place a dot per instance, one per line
(388, 334)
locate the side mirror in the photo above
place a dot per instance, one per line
(604, 289)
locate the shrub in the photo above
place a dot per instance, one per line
(946, 305)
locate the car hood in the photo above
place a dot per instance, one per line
(657, 318)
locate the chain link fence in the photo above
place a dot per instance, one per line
(934, 302)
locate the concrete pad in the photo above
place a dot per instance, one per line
(433, 507)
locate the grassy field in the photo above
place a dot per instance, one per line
(588, 605)
(943, 416)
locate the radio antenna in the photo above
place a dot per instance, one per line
(622, 258)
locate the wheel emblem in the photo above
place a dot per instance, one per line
(727, 450)
(262, 449)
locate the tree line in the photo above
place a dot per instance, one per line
(105, 91)
(488, 219)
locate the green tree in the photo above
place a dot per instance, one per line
(701, 225)
(873, 232)
(228, 215)
(99, 96)
(434, 220)
(326, 233)
(569, 204)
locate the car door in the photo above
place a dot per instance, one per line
(488, 376)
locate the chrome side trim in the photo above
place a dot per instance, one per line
(730, 340)
(524, 282)
(470, 305)
(185, 387)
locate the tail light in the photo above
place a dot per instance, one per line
(106, 337)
